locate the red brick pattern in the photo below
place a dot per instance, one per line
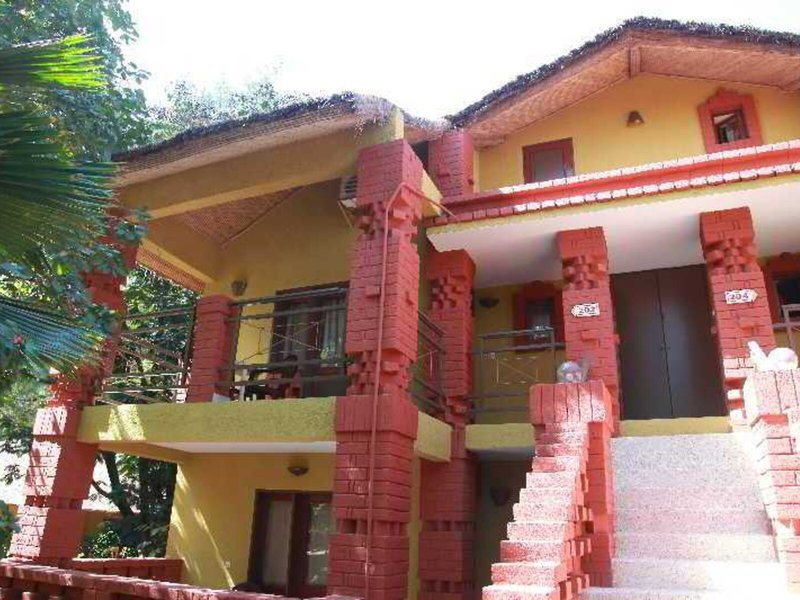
(773, 413)
(158, 569)
(561, 539)
(60, 469)
(451, 164)
(387, 173)
(584, 257)
(447, 511)
(729, 249)
(375, 435)
(396, 429)
(451, 276)
(212, 348)
(26, 581)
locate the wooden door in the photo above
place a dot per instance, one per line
(669, 361)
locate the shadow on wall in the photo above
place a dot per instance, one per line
(499, 484)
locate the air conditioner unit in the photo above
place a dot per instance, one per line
(347, 192)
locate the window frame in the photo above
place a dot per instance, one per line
(567, 156)
(776, 268)
(297, 574)
(531, 292)
(725, 101)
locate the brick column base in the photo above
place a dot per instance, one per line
(212, 347)
(447, 511)
(391, 482)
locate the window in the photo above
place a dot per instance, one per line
(730, 126)
(289, 547)
(538, 304)
(782, 278)
(550, 160)
(728, 121)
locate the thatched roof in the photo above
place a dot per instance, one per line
(748, 35)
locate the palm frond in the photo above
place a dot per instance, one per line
(45, 197)
(66, 63)
(46, 338)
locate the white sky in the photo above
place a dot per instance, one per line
(432, 58)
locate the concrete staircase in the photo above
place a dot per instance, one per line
(690, 523)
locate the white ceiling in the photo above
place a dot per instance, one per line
(251, 447)
(661, 232)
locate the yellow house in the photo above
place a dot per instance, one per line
(504, 352)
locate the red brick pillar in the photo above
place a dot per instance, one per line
(60, 470)
(389, 180)
(451, 276)
(212, 348)
(729, 249)
(450, 163)
(588, 311)
(448, 490)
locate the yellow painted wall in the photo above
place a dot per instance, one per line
(538, 364)
(602, 140)
(212, 515)
(305, 241)
(492, 520)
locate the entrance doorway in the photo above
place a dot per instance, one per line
(670, 365)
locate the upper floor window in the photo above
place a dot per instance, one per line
(538, 305)
(550, 160)
(728, 121)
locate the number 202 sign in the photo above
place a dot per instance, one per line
(589, 309)
(744, 296)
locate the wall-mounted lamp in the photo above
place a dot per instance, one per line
(238, 287)
(488, 301)
(635, 118)
(297, 470)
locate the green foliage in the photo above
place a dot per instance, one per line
(189, 106)
(105, 542)
(8, 526)
(97, 122)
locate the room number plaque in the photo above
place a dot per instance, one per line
(744, 296)
(589, 309)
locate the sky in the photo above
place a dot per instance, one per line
(431, 57)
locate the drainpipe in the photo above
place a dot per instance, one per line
(375, 386)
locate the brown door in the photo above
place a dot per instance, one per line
(669, 359)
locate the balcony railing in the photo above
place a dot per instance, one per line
(426, 388)
(152, 363)
(791, 323)
(289, 346)
(508, 363)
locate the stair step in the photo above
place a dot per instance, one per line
(542, 573)
(671, 520)
(520, 592)
(557, 464)
(546, 511)
(759, 578)
(540, 530)
(718, 460)
(557, 479)
(531, 551)
(688, 498)
(596, 593)
(713, 546)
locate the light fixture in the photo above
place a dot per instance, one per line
(238, 287)
(635, 118)
(488, 301)
(298, 470)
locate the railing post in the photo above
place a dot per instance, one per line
(212, 348)
(61, 468)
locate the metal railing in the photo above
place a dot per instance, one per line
(426, 387)
(508, 363)
(791, 322)
(289, 346)
(153, 357)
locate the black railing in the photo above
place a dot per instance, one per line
(791, 323)
(426, 388)
(152, 363)
(289, 346)
(508, 363)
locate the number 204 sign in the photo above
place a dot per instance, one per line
(589, 309)
(744, 296)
